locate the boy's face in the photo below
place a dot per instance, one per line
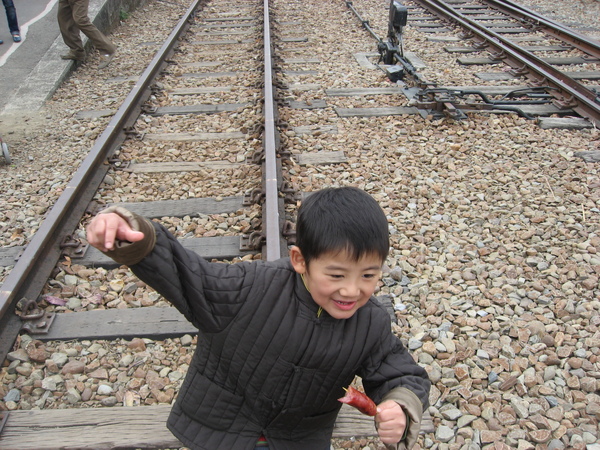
(338, 283)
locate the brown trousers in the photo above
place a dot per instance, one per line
(73, 18)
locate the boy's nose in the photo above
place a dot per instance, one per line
(350, 290)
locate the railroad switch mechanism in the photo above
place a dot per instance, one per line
(397, 22)
(392, 50)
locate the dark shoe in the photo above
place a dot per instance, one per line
(105, 60)
(71, 55)
(16, 37)
(1, 41)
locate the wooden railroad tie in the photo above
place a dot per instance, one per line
(130, 427)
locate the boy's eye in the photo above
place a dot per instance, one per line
(370, 275)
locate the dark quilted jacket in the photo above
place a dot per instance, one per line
(265, 363)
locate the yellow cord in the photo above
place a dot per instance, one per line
(304, 281)
(320, 311)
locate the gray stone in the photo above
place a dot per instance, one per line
(414, 344)
(465, 420)
(444, 433)
(451, 413)
(556, 444)
(14, 395)
(73, 396)
(18, 355)
(186, 340)
(59, 358)
(73, 303)
(52, 382)
(104, 389)
(109, 401)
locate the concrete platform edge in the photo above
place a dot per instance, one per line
(51, 71)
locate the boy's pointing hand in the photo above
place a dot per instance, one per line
(390, 421)
(105, 229)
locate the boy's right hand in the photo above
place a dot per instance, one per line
(105, 229)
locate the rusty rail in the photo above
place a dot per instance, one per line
(26, 280)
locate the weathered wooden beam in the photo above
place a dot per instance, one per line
(142, 427)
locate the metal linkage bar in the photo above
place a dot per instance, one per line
(365, 23)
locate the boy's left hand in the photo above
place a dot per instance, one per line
(390, 421)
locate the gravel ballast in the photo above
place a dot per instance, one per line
(494, 267)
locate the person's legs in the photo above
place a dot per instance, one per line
(11, 16)
(82, 21)
(69, 31)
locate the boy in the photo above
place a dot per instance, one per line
(278, 341)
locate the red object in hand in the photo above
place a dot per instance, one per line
(360, 401)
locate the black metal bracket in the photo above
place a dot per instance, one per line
(289, 232)
(253, 197)
(73, 247)
(118, 164)
(133, 133)
(35, 320)
(252, 242)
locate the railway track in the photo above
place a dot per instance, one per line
(160, 121)
(181, 58)
(196, 121)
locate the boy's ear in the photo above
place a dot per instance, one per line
(297, 260)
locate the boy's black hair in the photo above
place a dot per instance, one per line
(338, 219)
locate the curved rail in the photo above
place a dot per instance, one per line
(580, 41)
(567, 92)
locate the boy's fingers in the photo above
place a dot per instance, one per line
(95, 234)
(388, 404)
(110, 233)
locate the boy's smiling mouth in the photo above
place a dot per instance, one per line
(344, 305)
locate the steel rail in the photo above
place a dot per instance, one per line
(567, 91)
(556, 29)
(27, 278)
(272, 225)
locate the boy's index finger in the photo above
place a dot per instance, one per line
(111, 229)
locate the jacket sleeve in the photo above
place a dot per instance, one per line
(413, 408)
(391, 373)
(207, 294)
